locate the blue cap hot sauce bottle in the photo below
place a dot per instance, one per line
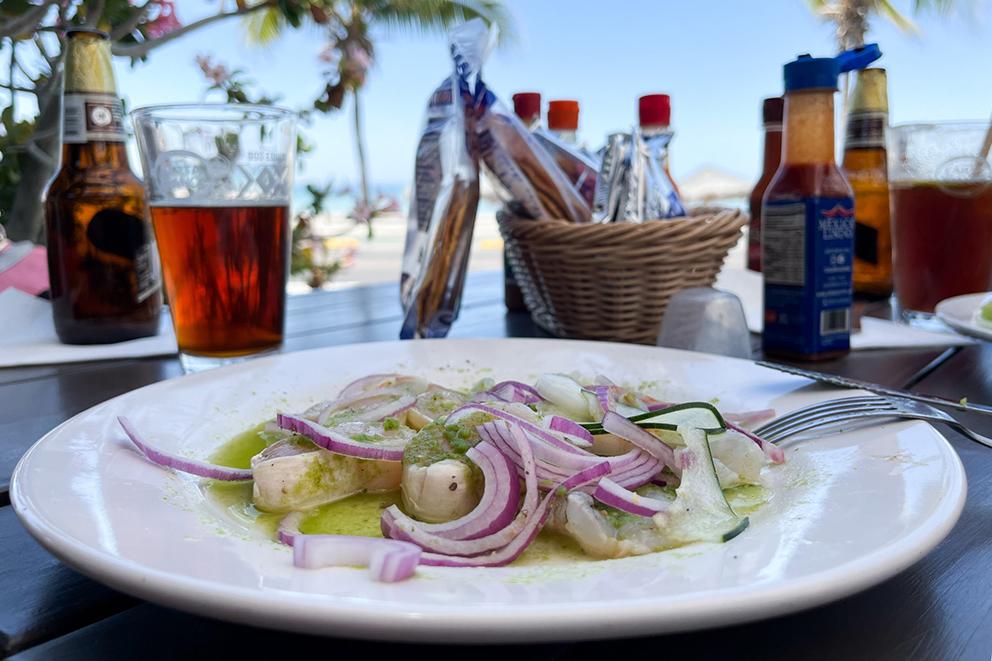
(808, 219)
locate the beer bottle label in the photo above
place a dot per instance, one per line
(866, 130)
(92, 117)
(807, 260)
(866, 243)
(118, 233)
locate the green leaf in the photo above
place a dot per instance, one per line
(264, 26)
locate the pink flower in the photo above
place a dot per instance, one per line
(164, 20)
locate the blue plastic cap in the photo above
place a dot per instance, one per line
(806, 72)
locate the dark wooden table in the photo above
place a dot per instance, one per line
(940, 608)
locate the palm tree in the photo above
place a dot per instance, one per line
(349, 53)
(851, 19)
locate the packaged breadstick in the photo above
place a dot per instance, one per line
(534, 183)
(445, 194)
(579, 166)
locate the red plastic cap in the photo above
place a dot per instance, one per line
(563, 115)
(772, 110)
(527, 105)
(654, 110)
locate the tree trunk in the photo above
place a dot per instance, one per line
(26, 220)
(363, 173)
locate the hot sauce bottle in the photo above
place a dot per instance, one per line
(771, 115)
(527, 106)
(808, 219)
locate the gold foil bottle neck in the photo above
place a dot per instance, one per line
(87, 65)
(870, 92)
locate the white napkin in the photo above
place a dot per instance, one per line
(27, 336)
(874, 333)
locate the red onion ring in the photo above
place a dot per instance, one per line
(388, 560)
(620, 426)
(337, 443)
(169, 460)
(532, 527)
(543, 434)
(612, 494)
(400, 526)
(496, 508)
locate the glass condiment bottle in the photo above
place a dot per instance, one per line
(808, 219)
(654, 117)
(563, 120)
(771, 115)
(866, 169)
(102, 263)
(527, 106)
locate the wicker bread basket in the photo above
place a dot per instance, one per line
(612, 281)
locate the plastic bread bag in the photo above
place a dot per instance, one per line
(580, 167)
(663, 198)
(614, 161)
(445, 194)
(536, 186)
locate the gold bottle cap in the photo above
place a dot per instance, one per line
(870, 92)
(87, 64)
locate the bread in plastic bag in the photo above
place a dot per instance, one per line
(445, 194)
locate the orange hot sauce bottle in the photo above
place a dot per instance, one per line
(808, 219)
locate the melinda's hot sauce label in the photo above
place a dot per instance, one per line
(808, 246)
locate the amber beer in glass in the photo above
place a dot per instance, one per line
(941, 196)
(219, 179)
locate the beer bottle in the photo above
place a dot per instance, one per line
(102, 264)
(866, 170)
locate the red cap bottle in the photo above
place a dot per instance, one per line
(563, 119)
(654, 111)
(527, 106)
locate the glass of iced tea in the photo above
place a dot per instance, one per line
(218, 180)
(941, 196)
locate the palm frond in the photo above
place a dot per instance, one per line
(262, 27)
(936, 6)
(885, 8)
(433, 16)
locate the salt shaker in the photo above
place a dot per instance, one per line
(707, 320)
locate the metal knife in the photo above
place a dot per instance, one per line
(845, 382)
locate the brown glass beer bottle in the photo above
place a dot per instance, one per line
(102, 263)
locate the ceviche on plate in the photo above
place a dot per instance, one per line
(473, 478)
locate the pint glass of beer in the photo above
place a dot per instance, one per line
(941, 195)
(218, 180)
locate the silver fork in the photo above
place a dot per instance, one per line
(846, 409)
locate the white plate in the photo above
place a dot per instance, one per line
(959, 313)
(850, 510)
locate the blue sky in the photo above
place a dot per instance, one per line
(717, 58)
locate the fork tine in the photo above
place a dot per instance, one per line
(843, 402)
(778, 438)
(826, 416)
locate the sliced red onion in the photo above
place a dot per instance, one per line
(610, 493)
(289, 528)
(773, 452)
(398, 525)
(378, 382)
(337, 443)
(573, 431)
(602, 394)
(169, 460)
(531, 528)
(515, 391)
(497, 506)
(620, 426)
(388, 560)
(543, 434)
